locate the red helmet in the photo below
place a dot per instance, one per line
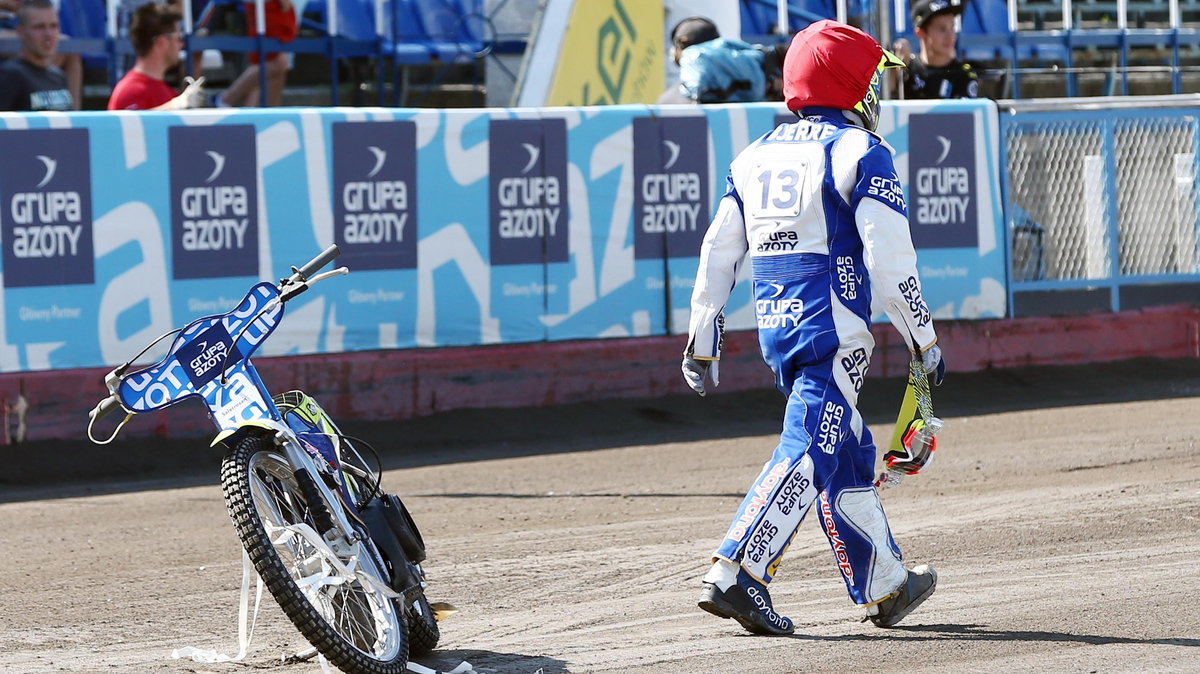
(833, 65)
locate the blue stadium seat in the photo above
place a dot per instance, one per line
(356, 18)
(758, 17)
(423, 31)
(84, 21)
(82, 18)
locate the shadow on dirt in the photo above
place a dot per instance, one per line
(981, 633)
(946, 633)
(493, 662)
(58, 469)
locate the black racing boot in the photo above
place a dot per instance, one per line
(747, 602)
(917, 587)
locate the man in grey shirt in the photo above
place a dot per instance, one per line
(30, 81)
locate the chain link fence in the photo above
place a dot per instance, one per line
(1101, 191)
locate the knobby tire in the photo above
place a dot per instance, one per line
(236, 482)
(423, 631)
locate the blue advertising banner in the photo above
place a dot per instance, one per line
(527, 188)
(671, 198)
(460, 227)
(47, 206)
(375, 194)
(214, 201)
(943, 210)
(949, 166)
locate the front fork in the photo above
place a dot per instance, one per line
(343, 536)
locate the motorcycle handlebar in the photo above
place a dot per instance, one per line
(314, 265)
(101, 410)
(104, 408)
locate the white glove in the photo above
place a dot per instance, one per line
(696, 371)
(931, 360)
(191, 97)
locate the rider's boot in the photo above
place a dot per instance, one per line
(920, 583)
(729, 592)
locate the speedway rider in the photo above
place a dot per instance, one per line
(818, 206)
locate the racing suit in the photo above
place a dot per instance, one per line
(818, 206)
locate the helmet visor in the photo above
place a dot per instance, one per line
(868, 107)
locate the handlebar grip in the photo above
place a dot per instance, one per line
(104, 408)
(314, 265)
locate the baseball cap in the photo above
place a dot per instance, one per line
(923, 9)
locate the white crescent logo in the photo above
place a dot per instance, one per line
(672, 148)
(945, 148)
(218, 165)
(533, 151)
(51, 165)
(778, 290)
(380, 157)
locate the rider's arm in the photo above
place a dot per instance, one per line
(881, 216)
(721, 256)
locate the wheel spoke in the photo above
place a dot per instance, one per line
(344, 588)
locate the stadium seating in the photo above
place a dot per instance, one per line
(1090, 52)
(84, 21)
(1073, 52)
(423, 31)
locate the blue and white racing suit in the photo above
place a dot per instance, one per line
(819, 208)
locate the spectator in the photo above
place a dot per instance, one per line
(31, 80)
(713, 69)
(157, 41)
(936, 72)
(280, 23)
(70, 64)
(690, 31)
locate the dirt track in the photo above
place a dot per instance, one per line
(1062, 515)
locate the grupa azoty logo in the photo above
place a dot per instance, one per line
(376, 209)
(380, 159)
(945, 143)
(218, 165)
(670, 171)
(51, 167)
(527, 191)
(375, 194)
(672, 152)
(534, 152)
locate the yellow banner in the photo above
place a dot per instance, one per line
(612, 53)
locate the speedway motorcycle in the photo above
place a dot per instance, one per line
(340, 556)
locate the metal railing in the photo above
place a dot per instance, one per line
(1102, 203)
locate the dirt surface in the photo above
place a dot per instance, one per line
(1061, 514)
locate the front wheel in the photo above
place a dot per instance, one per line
(328, 586)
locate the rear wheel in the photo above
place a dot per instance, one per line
(423, 632)
(330, 589)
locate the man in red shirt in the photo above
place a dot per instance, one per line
(157, 41)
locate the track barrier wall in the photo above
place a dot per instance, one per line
(500, 257)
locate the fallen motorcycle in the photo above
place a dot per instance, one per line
(340, 556)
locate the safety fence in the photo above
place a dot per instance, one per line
(1102, 203)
